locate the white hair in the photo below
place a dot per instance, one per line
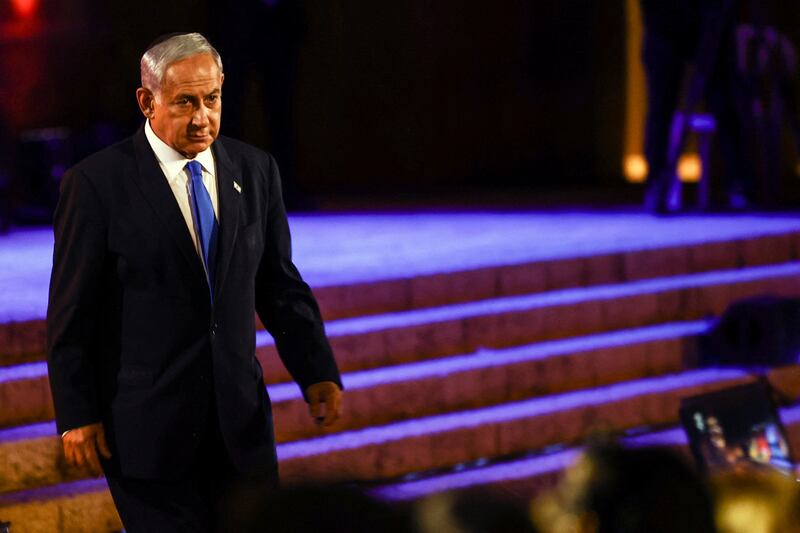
(163, 53)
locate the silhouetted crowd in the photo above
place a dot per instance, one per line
(609, 489)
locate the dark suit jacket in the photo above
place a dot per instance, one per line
(134, 339)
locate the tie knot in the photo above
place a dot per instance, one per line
(195, 170)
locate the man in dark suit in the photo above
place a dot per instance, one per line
(165, 245)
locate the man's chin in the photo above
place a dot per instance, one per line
(195, 145)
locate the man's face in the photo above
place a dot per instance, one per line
(186, 113)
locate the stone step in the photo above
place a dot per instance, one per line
(430, 290)
(23, 341)
(524, 478)
(481, 379)
(486, 377)
(492, 376)
(444, 440)
(465, 328)
(396, 338)
(30, 456)
(85, 505)
(25, 394)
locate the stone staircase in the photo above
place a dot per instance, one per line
(451, 369)
(522, 478)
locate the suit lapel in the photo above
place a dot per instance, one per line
(156, 191)
(229, 201)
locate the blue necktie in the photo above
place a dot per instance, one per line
(205, 222)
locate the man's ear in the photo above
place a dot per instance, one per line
(146, 100)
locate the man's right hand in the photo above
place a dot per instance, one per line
(81, 446)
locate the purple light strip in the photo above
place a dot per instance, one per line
(399, 491)
(486, 358)
(526, 468)
(669, 437)
(560, 297)
(30, 431)
(380, 246)
(344, 249)
(23, 371)
(443, 367)
(501, 413)
(493, 306)
(531, 467)
(41, 494)
(791, 415)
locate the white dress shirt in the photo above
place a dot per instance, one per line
(173, 165)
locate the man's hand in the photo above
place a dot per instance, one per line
(81, 446)
(325, 393)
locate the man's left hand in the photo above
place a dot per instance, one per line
(324, 402)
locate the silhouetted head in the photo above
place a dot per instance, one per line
(612, 489)
(310, 509)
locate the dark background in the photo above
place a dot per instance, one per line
(422, 95)
(415, 93)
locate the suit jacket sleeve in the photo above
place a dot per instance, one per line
(78, 259)
(285, 304)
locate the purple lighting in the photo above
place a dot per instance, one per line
(501, 413)
(485, 358)
(346, 249)
(539, 300)
(527, 468)
(475, 348)
(530, 467)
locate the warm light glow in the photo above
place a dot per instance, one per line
(635, 168)
(24, 8)
(690, 168)
(635, 95)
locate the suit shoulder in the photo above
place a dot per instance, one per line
(241, 152)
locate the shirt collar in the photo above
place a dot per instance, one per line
(173, 161)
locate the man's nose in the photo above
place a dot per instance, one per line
(200, 116)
